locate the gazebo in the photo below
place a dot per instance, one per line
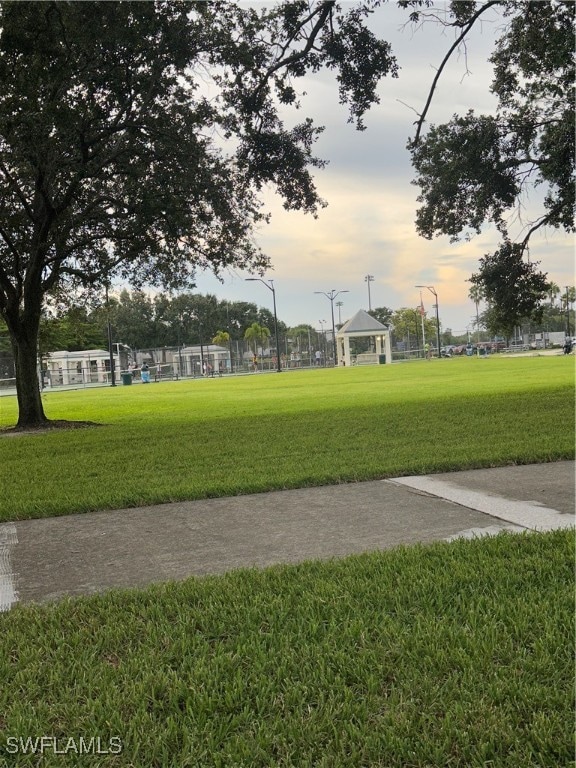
(362, 324)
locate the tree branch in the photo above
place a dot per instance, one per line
(540, 223)
(323, 13)
(453, 47)
(14, 184)
(11, 246)
(6, 283)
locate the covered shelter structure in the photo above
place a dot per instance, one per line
(199, 359)
(89, 366)
(363, 325)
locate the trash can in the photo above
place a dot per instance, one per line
(126, 378)
(381, 359)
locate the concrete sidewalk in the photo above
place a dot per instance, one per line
(42, 560)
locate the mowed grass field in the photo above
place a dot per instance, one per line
(451, 655)
(172, 441)
(445, 656)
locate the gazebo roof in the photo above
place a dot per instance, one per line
(362, 322)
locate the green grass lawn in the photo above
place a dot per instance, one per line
(452, 655)
(457, 655)
(194, 439)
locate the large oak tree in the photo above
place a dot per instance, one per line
(135, 139)
(478, 169)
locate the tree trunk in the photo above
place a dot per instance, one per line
(30, 407)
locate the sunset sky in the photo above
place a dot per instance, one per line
(368, 226)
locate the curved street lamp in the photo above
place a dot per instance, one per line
(433, 291)
(331, 296)
(270, 285)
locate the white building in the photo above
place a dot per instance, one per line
(88, 366)
(189, 361)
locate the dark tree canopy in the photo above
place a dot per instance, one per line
(382, 314)
(135, 139)
(513, 288)
(476, 168)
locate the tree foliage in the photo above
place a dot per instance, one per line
(71, 330)
(513, 288)
(407, 324)
(222, 338)
(257, 335)
(136, 138)
(475, 168)
(186, 318)
(382, 314)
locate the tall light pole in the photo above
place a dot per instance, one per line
(567, 313)
(200, 336)
(270, 285)
(339, 304)
(179, 328)
(433, 291)
(422, 313)
(369, 279)
(110, 344)
(331, 296)
(322, 340)
(229, 336)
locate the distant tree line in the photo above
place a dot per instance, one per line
(144, 322)
(501, 318)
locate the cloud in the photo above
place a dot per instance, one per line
(368, 227)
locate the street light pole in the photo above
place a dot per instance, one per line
(179, 326)
(110, 344)
(369, 279)
(270, 285)
(323, 341)
(433, 291)
(422, 313)
(331, 296)
(200, 335)
(196, 316)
